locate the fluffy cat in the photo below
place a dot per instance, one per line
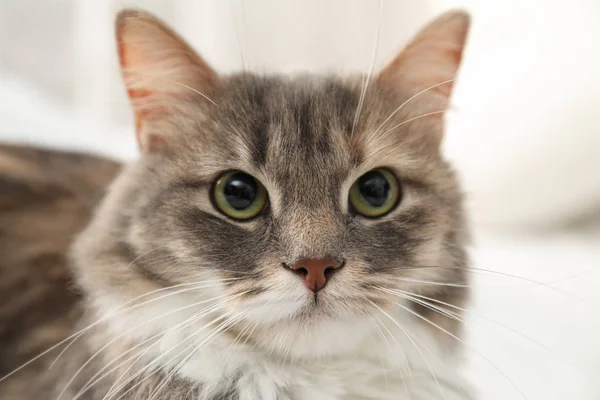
(279, 238)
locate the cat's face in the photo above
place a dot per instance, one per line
(305, 213)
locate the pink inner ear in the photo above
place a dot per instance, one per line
(151, 141)
(125, 57)
(142, 115)
(146, 141)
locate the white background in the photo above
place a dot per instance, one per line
(523, 134)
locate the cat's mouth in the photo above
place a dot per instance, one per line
(319, 306)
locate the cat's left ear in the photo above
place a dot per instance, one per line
(431, 58)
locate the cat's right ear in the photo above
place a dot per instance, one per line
(160, 71)
(428, 66)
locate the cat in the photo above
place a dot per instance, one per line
(280, 237)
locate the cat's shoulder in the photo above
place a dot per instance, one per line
(30, 174)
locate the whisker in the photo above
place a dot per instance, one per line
(409, 100)
(434, 283)
(372, 68)
(425, 304)
(400, 347)
(124, 334)
(112, 387)
(286, 354)
(82, 332)
(121, 310)
(254, 325)
(194, 90)
(404, 331)
(462, 342)
(412, 119)
(376, 325)
(137, 357)
(499, 273)
(161, 78)
(573, 276)
(237, 340)
(237, 34)
(167, 352)
(154, 361)
(244, 21)
(436, 356)
(179, 326)
(381, 355)
(77, 334)
(218, 331)
(483, 317)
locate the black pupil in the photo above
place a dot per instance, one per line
(374, 188)
(240, 191)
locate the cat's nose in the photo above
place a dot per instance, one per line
(316, 272)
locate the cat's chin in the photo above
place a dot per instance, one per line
(313, 335)
(309, 329)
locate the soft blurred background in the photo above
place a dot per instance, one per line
(523, 133)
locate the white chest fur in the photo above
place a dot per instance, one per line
(393, 365)
(398, 360)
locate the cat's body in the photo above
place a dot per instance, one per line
(280, 238)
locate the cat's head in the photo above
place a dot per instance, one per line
(301, 207)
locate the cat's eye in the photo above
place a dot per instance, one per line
(375, 194)
(239, 195)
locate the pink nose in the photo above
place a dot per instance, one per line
(315, 272)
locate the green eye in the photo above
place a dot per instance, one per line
(376, 193)
(239, 195)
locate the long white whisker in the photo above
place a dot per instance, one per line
(483, 317)
(154, 361)
(244, 22)
(124, 334)
(237, 34)
(425, 304)
(409, 100)
(462, 342)
(179, 326)
(195, 91)
(137, 357)
(380, 354)
(121, 310)
(404, 331)
(434, 283)
(238, 338)
(218, 331)
(412, 119)
(399, 347)
(371, 69)
(167, 352)
(374, 322)
(152, 76)
(77, 334)
(114, 312)
(499, 273)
